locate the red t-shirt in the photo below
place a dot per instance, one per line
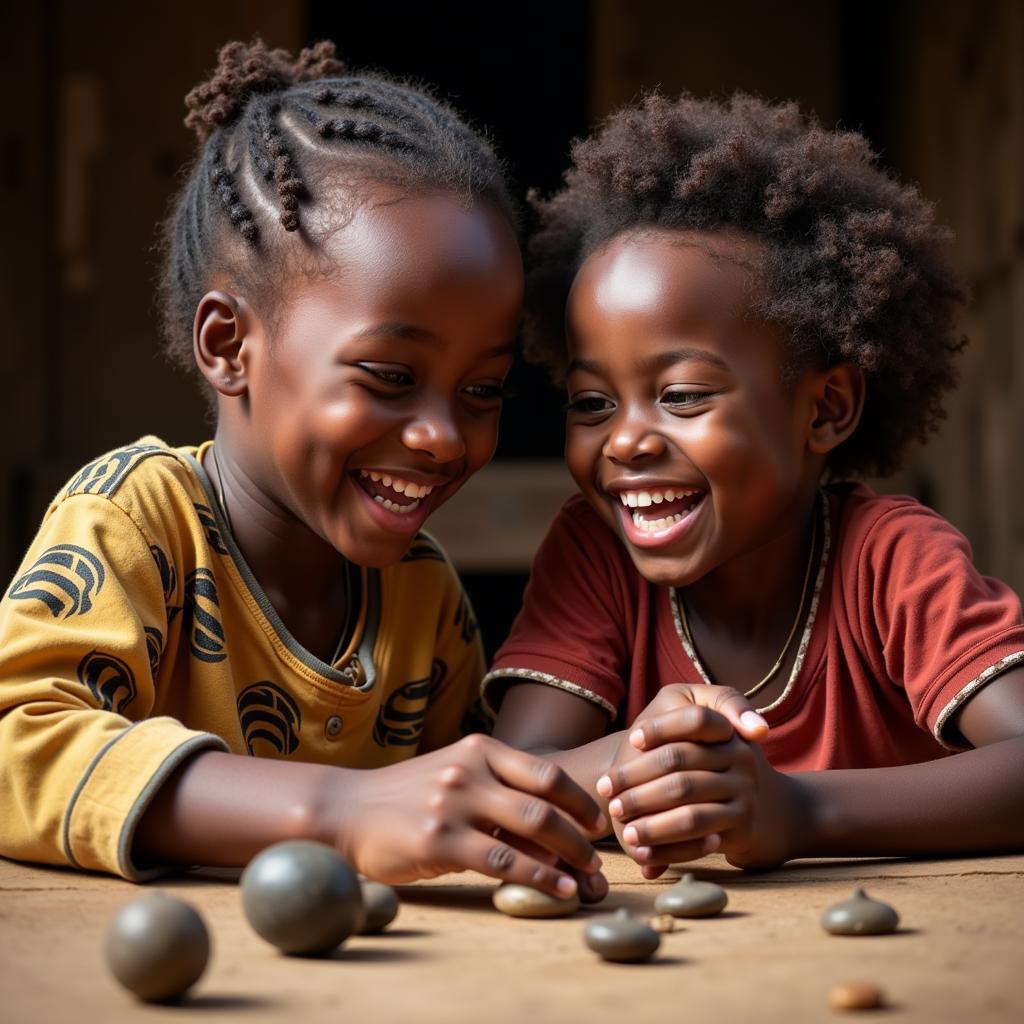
(903, 630)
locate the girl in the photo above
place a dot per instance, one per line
(741, 304)
(342, 271)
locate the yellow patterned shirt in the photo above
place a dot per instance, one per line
(134, 635)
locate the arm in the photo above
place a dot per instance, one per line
(420, 818)
(967, 803)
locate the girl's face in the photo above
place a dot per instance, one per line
(680, 431)
(378, 394)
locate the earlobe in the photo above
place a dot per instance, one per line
(838, 404)
(223, 322)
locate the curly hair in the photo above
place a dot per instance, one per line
(278, 137)
(854, 266)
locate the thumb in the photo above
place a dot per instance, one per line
(731, 704)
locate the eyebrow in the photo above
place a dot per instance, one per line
(658, 361)
(410, 332)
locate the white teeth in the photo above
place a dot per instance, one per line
(655, 525)
(642, 499)
(393, 507)
(399, 486)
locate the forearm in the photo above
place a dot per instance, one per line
(969, 803)
(221, 809)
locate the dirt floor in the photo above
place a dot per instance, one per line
(450, 957)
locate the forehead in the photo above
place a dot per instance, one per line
(674, 279)
(422, 241)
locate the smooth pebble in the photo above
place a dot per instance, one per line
(302, 897)
(856, 995)
(690, 898)
(380, 902)
(157, 947)
(522, 901)
(621, 938)
(860, 915)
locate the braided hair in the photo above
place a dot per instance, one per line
(854, 266)
(280, 137)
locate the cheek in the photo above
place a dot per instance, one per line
(480, 436)
(582, 450)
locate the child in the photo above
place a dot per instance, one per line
(742, 306)
(342, 270)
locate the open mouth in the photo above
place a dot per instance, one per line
(656, 510)
(392, 492)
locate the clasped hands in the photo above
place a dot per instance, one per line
(689, 778)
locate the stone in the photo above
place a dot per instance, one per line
(856, 995)
(860, 915)
(380, 903)
(621, 938)
(157, 947)
(522, 901)
(690, 898)
(663, 924)
(302, 897)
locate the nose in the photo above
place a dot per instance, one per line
(436, 433)
(631, 440)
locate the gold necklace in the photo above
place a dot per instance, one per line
(773, 671)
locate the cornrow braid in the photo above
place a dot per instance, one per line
(269, 126)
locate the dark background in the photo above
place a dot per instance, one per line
(92, 143)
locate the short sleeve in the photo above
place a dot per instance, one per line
(81, 628)
(573, 631)
(945, 630)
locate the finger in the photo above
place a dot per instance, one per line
(533, 819)
(682, 824)
(654, 860)
(535, 775)
(527, 847)
(670, 791)
(477, 851)
(667, 759)
(735, 706)
(692, 722)
(591, 888)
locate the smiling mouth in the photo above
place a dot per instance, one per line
(658, 509)
(394, 493)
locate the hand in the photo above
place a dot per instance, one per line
(476, 805)
(683, 783)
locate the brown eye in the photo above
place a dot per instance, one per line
(391, 375)
(589, 405)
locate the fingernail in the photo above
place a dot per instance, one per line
(595, 863)
(752, 720)
(566, 885)
(615, 808)
(637, 738)
(600, 823)
(643, 853)
(604, 786)
(631, 835)
(712, 842)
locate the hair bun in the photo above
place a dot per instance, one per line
(247, 69)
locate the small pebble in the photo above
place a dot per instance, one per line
(860, 915)
(663, 923)
(522, 901)
(690, 898)
(302, 897)
(856, 995)
(380, 902)
(157, 947)
(621, 938)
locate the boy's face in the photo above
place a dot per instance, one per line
(680, 431)
(379, 392)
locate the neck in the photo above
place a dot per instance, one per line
(292, 564)
(755, 596)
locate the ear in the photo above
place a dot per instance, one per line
(223, 322)
(837, 404)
